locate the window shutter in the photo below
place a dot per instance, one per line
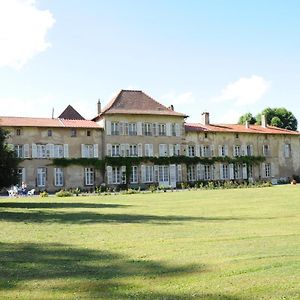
(197, 150)
(156, 126)
(96, 150)
(177, 149)
(123, 149)
(33, 151)
(121, 128)
(26, 150)
(177, 129)
(187, 150)
(127, 147)
(168, 129)
(245, 175)
(123, 174)
(156, 177)
(233, 150)
(263, 170)
(108, 150)
(251, 150)
(244, 150)
(108, 127)
(109, 174)
(198, 168)
(83, 154)
(143, 173)
(51, 150)
(226, 150)
(140, 150)
(231, 171)
(139, 128)
(212, 150)
(179, 173)
(66, 150)
(150, 149)
(221, 172)
(171, 150)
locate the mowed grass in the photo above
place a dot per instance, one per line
(219, 244)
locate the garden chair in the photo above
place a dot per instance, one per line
(31, 192)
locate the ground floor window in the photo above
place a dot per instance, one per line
(58, 177)
(21, 174)
(163, 173)
(88, 176)
(134, 174)
(207, 172)
(41, 177)
(225, 172)
(148, 173)
(237, 171)
(250, 171)
(116, 175)
(191, 173)
(268, 170)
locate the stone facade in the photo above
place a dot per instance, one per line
(129, 128)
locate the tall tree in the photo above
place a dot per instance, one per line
(8, 162)
(247, 117)
(279, 117)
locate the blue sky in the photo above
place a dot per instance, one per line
(225, 57)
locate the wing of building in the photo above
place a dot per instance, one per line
(141, 142)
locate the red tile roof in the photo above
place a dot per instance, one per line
(71, 113)
(46, 122)
(237, 128)
(136, 102)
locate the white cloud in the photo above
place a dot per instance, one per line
(178, 99)
(245, 91)
(230, 116)
(23, 29)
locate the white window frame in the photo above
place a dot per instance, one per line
(191, 173)
(191, 150)
(115, 150)
(133, 150)
(163, 173)
(58, 176)
(132, 129)
(162, 129)
(115, 128)
(116, 175)
(19, 149)
(268, 170)
(41, 177)
(207, 172)
(134, 174)
(89, 176)
(58, 151)
(41, 151)
(149, 174)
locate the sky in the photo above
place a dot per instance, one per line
(226, 57)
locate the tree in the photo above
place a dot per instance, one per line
(247, 117)
(279, 117)
(8, 162)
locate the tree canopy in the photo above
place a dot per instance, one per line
(8, 162)
(279, 117)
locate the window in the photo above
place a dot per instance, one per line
(191, 150)
(41, 177)
(88, 176)
(133, 150)
(58, 177)
(236, 150)
(115, 150)
(207, 172)
(206, 151)
(237, 171)
(163, 150)
(148, 173)
(205, 135)
(148, 149)
(223, 150)
(88, 133)
(250, 171)
(134, 174)
(58, 151)
(116, 175)
(154, 129)
(191, 173)
(287, 150)
(49, 132)
(115, 128)
(268, 170)
(266, 150)
(162, 129)
(18, 131)
(173, 129)
(163, 173)
(87, 151)
(236, 135)
(21, 175)
(225, 171)
(147, 129)
(19, 151)
(41, 151)
(132, 129)
(176, 149)
(73, 132)
(249, 150)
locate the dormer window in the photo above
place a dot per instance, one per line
(18, 131)
(49, 133)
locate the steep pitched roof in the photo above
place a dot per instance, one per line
(136, 102)
(238, 128)
(71, 113)
(46, 122)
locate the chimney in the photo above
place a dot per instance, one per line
(99, 107)
(205, 118)
(247, 124)
(263, 121)
(171, 107)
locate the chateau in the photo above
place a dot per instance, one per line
(139, 142)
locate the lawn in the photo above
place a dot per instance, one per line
(218, 244)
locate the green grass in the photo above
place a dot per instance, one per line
(219, 244)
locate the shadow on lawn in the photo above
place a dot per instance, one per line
(33, 205)
(85, 273)
(90, 217)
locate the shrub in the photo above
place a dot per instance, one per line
(63, 193)
(44, 194)
(152, 188)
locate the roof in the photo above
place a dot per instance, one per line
(238, 128)
(46, 122)
(71, 113)
(136, 102)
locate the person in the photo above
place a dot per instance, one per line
(24, 189)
